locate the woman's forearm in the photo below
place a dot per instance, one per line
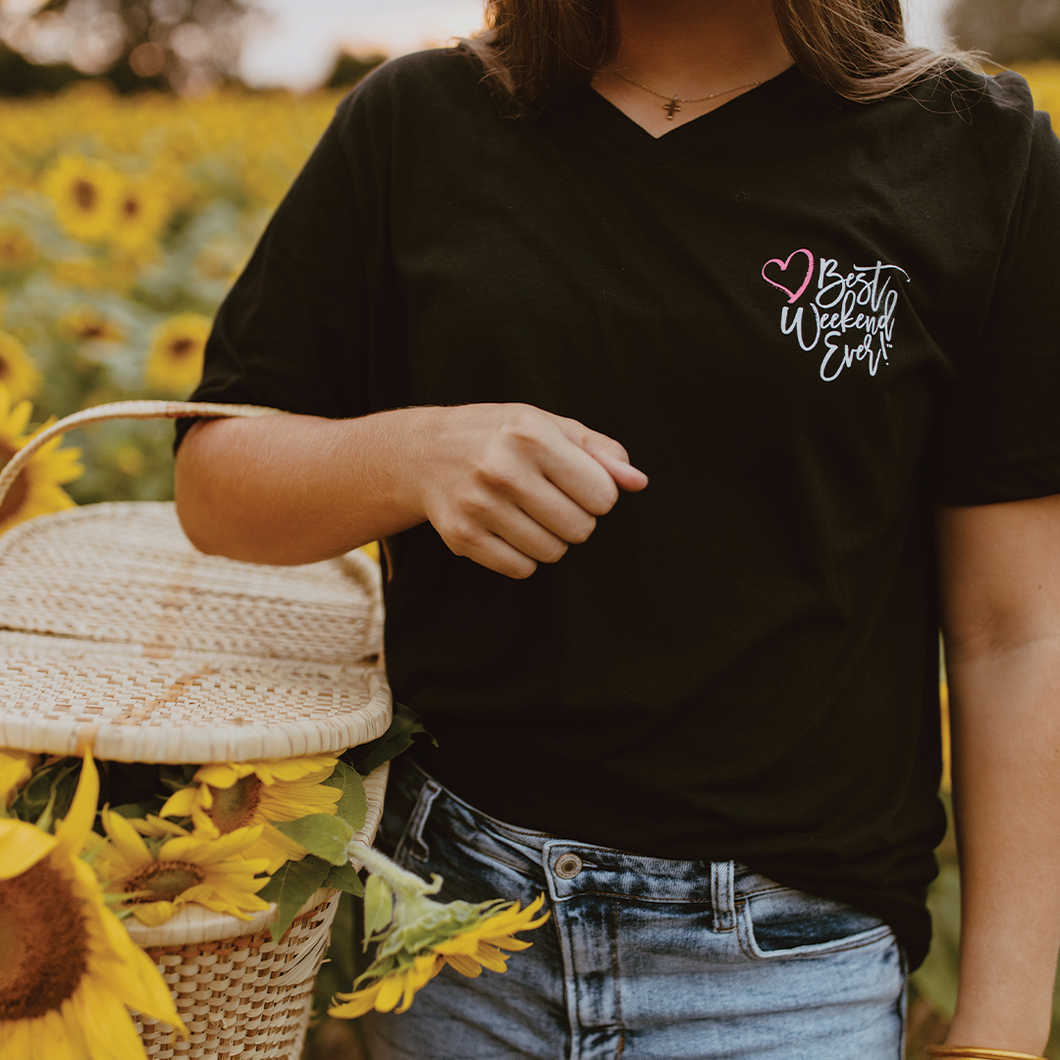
(292, 489)
(506, 485)
(999, 577)
(1006, 710)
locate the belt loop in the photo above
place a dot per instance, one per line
(722, 896)
(412, 842)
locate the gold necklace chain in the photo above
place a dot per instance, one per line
(672, 105)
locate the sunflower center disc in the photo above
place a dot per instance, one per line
(85, 194)
(180, 348)
(165, 880)
(235, 807)
(16, 496)
(43, 940)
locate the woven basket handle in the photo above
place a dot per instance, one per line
(124, 410)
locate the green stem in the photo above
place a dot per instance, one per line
(406, 885)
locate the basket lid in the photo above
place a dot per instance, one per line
(114, 627)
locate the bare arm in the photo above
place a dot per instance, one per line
(506, 485)
(1000, 581)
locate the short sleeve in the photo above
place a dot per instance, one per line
(296, 330)
(998, 430)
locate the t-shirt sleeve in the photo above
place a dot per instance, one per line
(998, 433)
(294, 331)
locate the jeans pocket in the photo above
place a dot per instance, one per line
(405, 818)
(782, 923)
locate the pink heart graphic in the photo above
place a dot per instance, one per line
(793, 296)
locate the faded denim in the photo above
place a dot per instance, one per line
(643, 959)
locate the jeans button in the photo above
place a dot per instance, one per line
(568, 866)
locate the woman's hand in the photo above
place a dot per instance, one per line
(511, 486)
(507, 485)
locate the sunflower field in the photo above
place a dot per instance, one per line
(123, 221)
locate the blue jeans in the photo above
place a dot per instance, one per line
(642, 958)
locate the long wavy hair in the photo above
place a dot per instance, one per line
(537, 51)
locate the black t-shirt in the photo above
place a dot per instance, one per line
(806, 319)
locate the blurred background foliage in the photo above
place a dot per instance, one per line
(136, 173)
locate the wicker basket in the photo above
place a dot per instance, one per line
(113, 628)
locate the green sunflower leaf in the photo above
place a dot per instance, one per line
(321, 834)
(291, 887)
(352, 806)
(378, 906)
(48, 795)
(405, 725)
(344, 878)
(138, 809)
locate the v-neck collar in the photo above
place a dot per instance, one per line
(624, 133)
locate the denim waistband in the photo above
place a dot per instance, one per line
(565, 867)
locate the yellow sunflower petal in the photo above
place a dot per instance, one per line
(291, 800)
(423, 970)
(125, 838)
(235, 902)
(490, 957)
(223, 775)
(209, 851)
(71, 834)
(154, 913)
(276, 848)
(19, 417)
(16, 1038)
(22, 845)
(390, 990)
(241, 871)
(107, 1024)
(355, 1004)
(59, 1038)
(180, 803)
(464, 965)
(16, 767)
(315, 767)
(156, 827)
(131, 972)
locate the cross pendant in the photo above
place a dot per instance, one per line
(670, 108)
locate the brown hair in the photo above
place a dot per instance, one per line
(537, 51)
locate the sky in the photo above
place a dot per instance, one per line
(297, 40)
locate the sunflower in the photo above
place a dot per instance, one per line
(86, 193)
(482, 946)
(384, 994)
(233, 795)
(142, 212)
(174, 362)
(37, 490)
(69, 968)
(468, 952)
(17, 372)
(419, 936)
(16, 767)
(186, 868)
(17, 250)
(85, 323)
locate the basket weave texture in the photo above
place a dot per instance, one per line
(238, 992)
(113, 626)
(245, 996)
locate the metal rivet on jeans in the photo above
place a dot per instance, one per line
(568, 866)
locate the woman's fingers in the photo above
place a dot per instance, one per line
(511, 485)
(608, 453)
